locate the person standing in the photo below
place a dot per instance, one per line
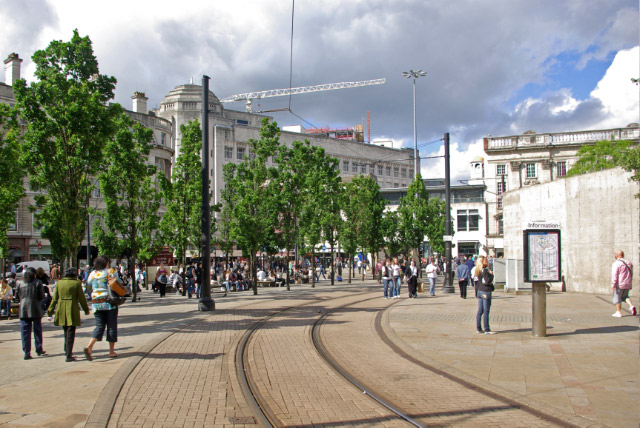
(621, 276)
(412, 282)
(68, 297)
(55, 274)
(484, 288)
(432, 275)
(387, 278)
(6, 295)
(397, 279)
(106, 314)
(31, 294)
(462, 272)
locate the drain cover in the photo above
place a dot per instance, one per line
(242, 420)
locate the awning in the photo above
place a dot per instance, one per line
(45, 250)
(15, 253)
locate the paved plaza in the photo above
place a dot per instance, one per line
(178, 366)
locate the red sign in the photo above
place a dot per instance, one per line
(164, 257)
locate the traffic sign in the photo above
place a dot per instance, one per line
(447, 238)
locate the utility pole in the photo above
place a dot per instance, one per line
(414, 74)
(205, 303)
(448, 275)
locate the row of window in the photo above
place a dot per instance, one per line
(379, 170)
(530, 167)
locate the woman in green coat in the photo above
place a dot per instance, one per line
(68, 296)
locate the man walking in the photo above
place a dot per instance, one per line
(621, 276)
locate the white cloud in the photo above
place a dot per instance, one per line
(459, 163)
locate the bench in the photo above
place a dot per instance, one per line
(266, 283)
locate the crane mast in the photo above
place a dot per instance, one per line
(294, 91)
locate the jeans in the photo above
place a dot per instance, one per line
(69, 338)
(388, 287)
(25, 333)
(432, 286)
(6, 304)
(397, 282)
(227, 284)
(106, 319)
(484, 307)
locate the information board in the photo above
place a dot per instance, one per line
(542, 255)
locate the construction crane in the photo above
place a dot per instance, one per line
(249, 96)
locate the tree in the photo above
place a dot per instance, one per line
(68, 123)
(255, 197)
(435, 224)
(225, 209)
(129, 187)
(11, 176)
(349, 227)
(413, 215)
(603, 154)
(392, 239)
(181, 223)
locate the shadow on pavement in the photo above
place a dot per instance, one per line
(599, 330)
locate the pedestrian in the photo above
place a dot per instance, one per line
(6, 295)
(621, 276)
(462, 272)
(412, 282)
(191, 279)
(106, 314)
(44, 278)
(30, 292)
(161, 284)
(397, 279)
(432, 275)
(55, 274)
(485, 288)
(387, 277)
(68, 297)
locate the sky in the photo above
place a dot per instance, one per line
(498, 67)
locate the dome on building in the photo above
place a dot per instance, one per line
(188, 94)
(477, 159)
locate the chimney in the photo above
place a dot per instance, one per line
(12, 69)
(140, 102)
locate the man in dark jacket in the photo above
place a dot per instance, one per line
(30, 292)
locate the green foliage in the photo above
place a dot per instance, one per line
(68, 126)
(392, 239)
(181, 224)
(414, 215)
(631, 162)
(129, 187)
(254, 198)
(602, 155)
(11, 174)
(435, 224)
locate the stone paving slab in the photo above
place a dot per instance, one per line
(588, 365)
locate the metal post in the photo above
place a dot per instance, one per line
(539, 310)
(416, 160)
(205, 303)
(88, 242)
(448, 276)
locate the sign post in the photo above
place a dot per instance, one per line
(542, 255)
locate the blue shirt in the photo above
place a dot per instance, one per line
(462, 272)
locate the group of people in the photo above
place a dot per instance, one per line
(64, 307)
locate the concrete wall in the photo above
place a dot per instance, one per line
(598, 214)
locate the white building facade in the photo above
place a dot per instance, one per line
(519, 161)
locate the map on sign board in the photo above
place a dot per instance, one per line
(543, 255)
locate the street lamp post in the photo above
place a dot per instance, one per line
(414, 74)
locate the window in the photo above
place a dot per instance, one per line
(403, 173)
(240, 153)
(13, 226)
(242, 122)
(163, 138)
(411, 173)
(252, 155)
(561, 168)
(372, 169)
(363, 168)
(345, 166)
(396, 185)
(395, 171)
(500, 226)
(354, 168)
(468, 220)
(228, 152)
(531, 170)
(388, 171)
(501, 169)
(502, 187)
(500, 203)
(379, 169)
(35, 215)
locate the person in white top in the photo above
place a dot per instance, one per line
(432, 275)
(397, 279)
(412, 282)
(261, 275)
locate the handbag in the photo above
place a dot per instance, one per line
(115, 292)
(420, 287)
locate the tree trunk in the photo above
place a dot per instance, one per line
(134, 288)
(287, 268)
(350, 266)
(313, 268)
(332, 266)
(254, 273)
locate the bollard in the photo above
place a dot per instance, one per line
(539, 310)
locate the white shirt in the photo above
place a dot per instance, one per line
(261, 275)
(432, 271)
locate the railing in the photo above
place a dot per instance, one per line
(580, 137)
(470, 199)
